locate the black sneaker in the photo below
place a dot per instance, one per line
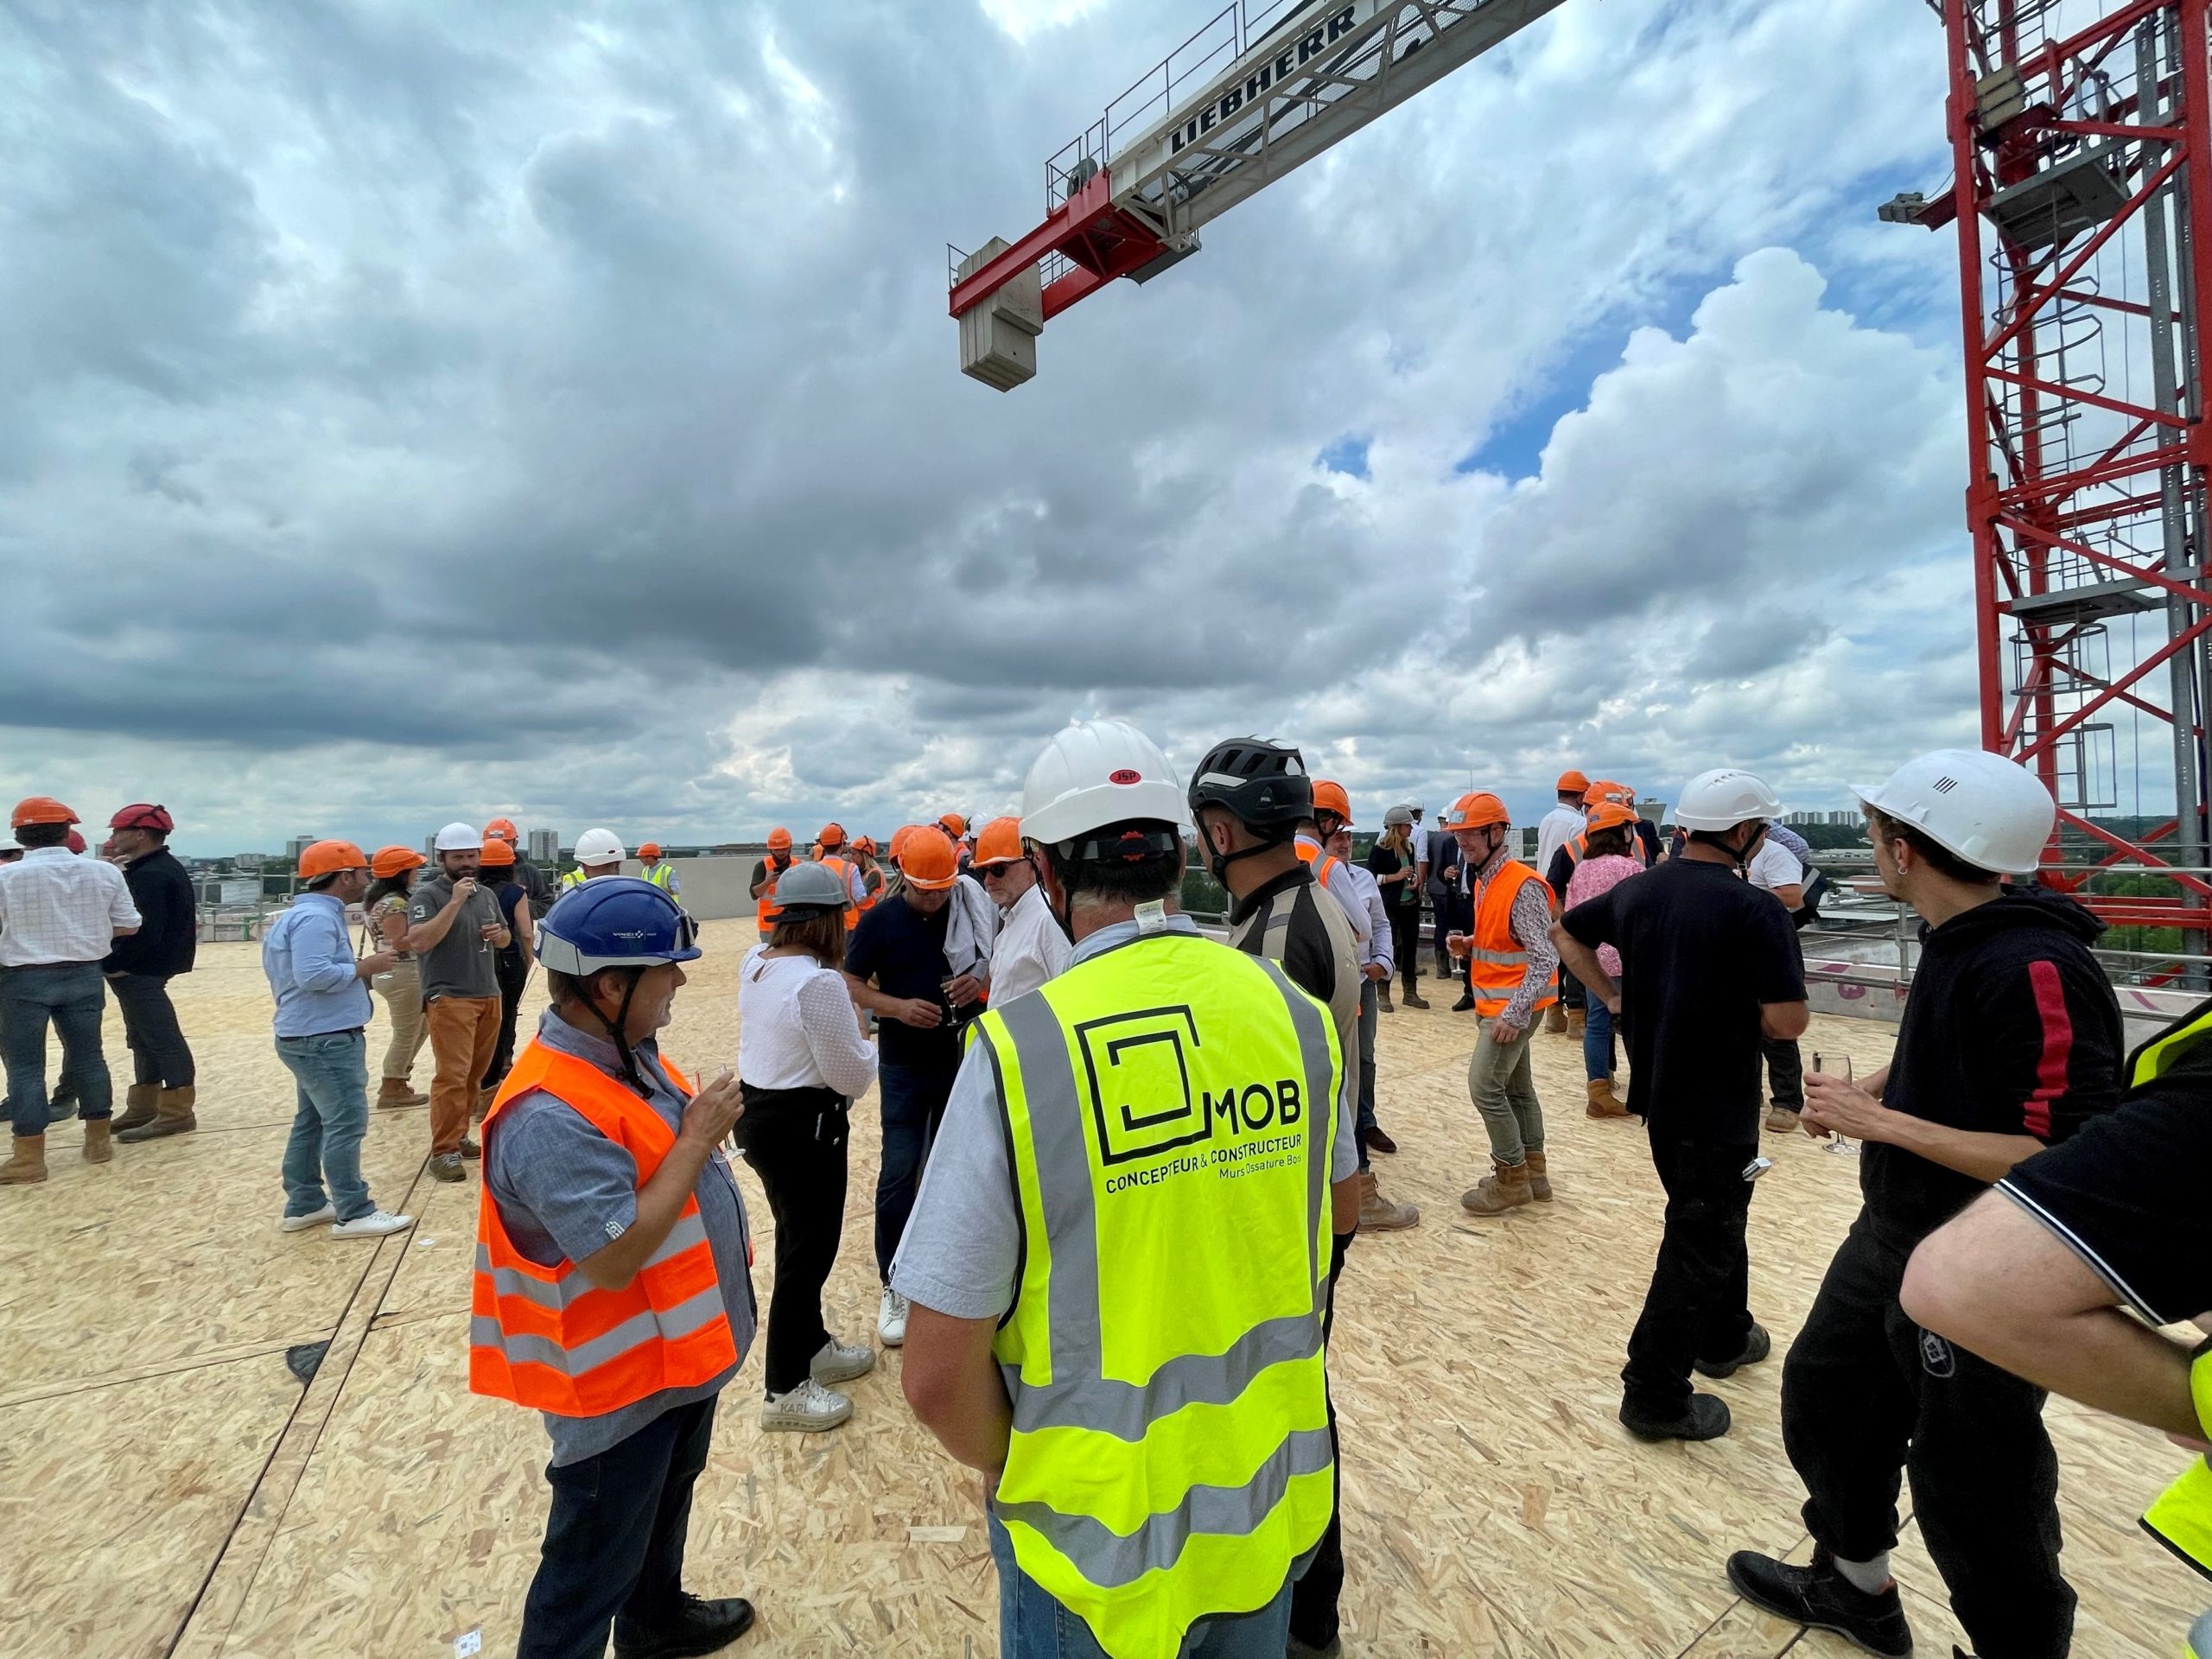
(1466, 1001)
(1822, 1598)
(1701, 1417)
(701, 1627)
(1756, 1347)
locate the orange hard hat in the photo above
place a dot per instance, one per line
(1330, 797)
(497, 854)
(1572, 779)
(928, 860)
(40, 809)
(1611, 815)
(388, 862)
(1475, 810)
(833, 834)
(864, 844)
(504, 828)
(1604, 790)
(328, 857)
(899, 837)
(954, 825)
(779, 840)
(1000, 842)
(649, 850)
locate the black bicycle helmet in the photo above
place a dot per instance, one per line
(1261, 783)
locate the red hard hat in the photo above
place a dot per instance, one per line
(40, 809)
(144, 815)
(73, 841)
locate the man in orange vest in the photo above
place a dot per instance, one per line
(611, 1286)
(1512, 972)
(834, 855)
(765, 875)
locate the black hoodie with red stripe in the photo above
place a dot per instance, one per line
(2011, 1028)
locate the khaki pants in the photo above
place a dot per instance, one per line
(464, 1030)
(402, 990)
(1500, 1082)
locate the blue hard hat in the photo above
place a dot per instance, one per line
(617, 921)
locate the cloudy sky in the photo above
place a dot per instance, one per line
(417, 411)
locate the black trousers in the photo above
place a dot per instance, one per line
(912, 1099)
(613, 1551)
(512, 981)
(1405, 943)
(1697, 1307)
(159, 1055)
(1867, 1395)
(1571, 994)
(1443, 906)
(1313, 1599)
(1785, 1069)
(795, 1141)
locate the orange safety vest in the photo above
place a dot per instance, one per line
(871, 896)
(548, 1337)
(1496, 962)
(1321, 863)
(764, 913)
(831, 861)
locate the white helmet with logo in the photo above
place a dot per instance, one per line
(597, 847)
(1993, 812)
(1719, 801)
(1096, 772)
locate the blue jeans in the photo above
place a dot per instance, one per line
(70, 996)
(912, 1099)
(332, 1072)
(1032, 1625)
(1597, 1040)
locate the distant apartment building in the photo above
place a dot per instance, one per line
(544, 846)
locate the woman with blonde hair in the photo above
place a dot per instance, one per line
(1394, 862)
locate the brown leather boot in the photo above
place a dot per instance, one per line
(1376, 1213)
(172, 1116)
(99, 1146)
(1413, 1001)
(138, 1100)
(1506, 1187)
(1602, 1101)
(1576, 1019)
(394, 1092)
(26, 1163)
(1540, 1186)
(1555, 1018)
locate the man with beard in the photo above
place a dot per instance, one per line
(453, 929)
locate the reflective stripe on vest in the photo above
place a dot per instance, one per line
(548, 1337)
(831, 861)
(1171, 1113)
(1320, 863)
(1497, 962)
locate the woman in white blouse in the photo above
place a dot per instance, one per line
(802, 1057)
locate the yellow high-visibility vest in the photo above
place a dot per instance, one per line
(1171, 1110)
(659, 873)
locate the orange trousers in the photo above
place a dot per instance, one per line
(464, 1030)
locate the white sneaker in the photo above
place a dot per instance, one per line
(810, 1407)
(891, 1318)
(301, 1224)
(840, 1361)
(376, 1224)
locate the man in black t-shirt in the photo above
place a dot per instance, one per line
(2010, 1040)
(1709, 967)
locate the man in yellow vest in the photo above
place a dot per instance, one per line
(1512, 973)
(658, 870)
(599, 855)
(612, 1287)
(1166, 1112)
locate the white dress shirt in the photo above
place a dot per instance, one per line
(1376, 947)
(1030, 949)
(796, 1028)
(1553, 830)
(1339, 886)
(55, 907)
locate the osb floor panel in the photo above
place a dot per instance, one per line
(169, 1489)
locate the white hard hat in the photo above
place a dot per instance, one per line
(1096, 772)
(1993, 812)
(1719, 800)
(597, 847)
(460, 838)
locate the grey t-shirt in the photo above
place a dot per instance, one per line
(565, 1192)
(462, 963)
(963, 1244)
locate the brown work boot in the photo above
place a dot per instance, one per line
(99, 1146)
(1384, 1005)
(1576, 1019)
(137, 1105)
(172, 1116)
(1413, 1000)
(394, 1092)
(1555, 1018)
(1376, 1213)
(1540, 1186)
(27, 1163)
(1506, 1187)
(1604, 1102)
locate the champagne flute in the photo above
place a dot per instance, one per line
(1835, 1065)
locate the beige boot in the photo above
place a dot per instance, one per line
(28, 1162)
(1506, 1187)
(1376, 1213)
(1540, 1186)
(1576, 1019)
(1555, 1018)
(1602, 1101)
(138, 1102)
(394, 1092)
(172, 1116)
(99, 1147)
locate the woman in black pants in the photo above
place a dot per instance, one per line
(1393, 862)
(802, 1057)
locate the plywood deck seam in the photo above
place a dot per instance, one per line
(123, 1379)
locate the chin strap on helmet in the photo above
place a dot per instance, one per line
(1218, 863)
(617, 1029)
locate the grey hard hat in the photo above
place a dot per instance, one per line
(1398, 815)
(811, 888)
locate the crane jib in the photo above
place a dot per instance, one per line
(1224, 105)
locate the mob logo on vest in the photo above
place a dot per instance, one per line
(1145, 1103)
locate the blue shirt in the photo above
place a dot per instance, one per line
(310, 960)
